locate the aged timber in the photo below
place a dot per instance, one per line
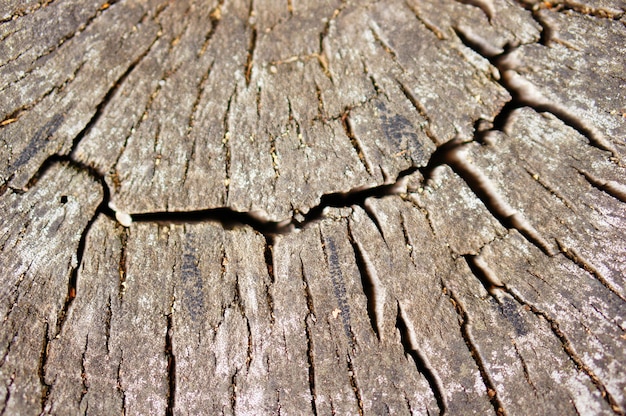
(338, 207)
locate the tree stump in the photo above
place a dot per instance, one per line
(302, 207)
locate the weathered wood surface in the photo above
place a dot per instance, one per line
(338, 208)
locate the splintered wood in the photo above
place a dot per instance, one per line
(230, 207)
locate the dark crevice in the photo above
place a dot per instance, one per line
(615, 189)
(107, 328)
(25, 11)
(271, 272)
(250, 56)
(370, 283)
(233, 393)
(226, 142)
(17, 113)
(311, 365)
(103, 208)
(41, 370)
(250, 346)
(354, 385)
(356, 196)
(547, 34)
(230, 218)
(428, 25)
(487, 278)
(119, 385)
(321, 112)
(123, 266)
(464, 323)
(526, 94)
(356, 144)
(452, 154)
(215, 16)
(310, 355)
(372, 216)
(83, 372)
(410, 348)
(171, 368)
(524, 368)
(251, 43)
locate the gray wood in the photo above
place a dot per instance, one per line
(39, 255)
(230, 207)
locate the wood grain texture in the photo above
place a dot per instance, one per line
(232, 207)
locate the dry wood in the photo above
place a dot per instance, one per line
(230, 207)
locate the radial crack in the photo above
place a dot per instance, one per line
(171, 366)
(372, 286)
(453, 154)
(43, 360)
(408, 339)
(615, 189)
(310, 354)
(569, 350)
(354, 385)
(356, 144)
(464, 322)
(525, 93)
(582, 263)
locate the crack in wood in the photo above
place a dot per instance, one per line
(122, 265)
(615, 189)
(421, 110)
(484, 274)
(453, 154)
(310, 354)
(464, 323)
(525, 93)
(25, 11)
(171, 365)
(80, 251)
(569, 351)
(568, 5)
(41, 370)
(356, 144)
(226, 144)
(83, 374)
(251, 43)
(525, 368)
(63, 40)
(215, 16)
(408, 339)
(119, 385)
(588, 267)
(428, 25)
(353, 383)
(493, 284)
(233, 395)
(372, 286)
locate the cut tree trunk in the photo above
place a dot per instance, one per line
(303, 207)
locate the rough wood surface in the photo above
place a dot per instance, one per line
(231, 207)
